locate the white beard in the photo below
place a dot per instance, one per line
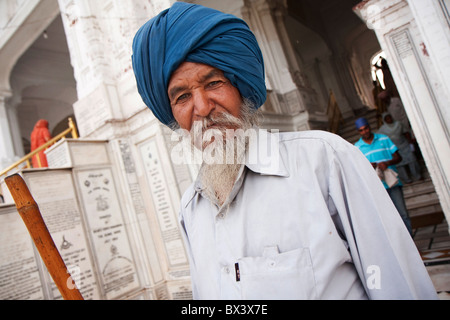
(219, 178)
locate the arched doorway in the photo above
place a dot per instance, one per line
(43, 84)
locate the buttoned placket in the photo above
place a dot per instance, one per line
(230, 287)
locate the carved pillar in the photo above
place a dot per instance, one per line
(7, 153)
(280, 82)
(290, 94)
(307, 96)
(99, 37)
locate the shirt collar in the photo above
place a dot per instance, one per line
(266, 155)
(375, 137)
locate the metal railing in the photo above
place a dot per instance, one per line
(71, 129)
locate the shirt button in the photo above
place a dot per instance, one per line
(226, 269)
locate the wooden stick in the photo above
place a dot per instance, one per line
(29, 211)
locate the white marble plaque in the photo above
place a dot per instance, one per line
(161, 198)
(19, 273)
(180, 291)
(88, 153)
(92, 111)
(116, 267)
(54, 192)
(73, 152)
(58, 155)
(129, 170)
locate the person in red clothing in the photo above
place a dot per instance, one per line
(39, 136)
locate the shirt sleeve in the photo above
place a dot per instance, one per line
(382, 250)
(187, 246)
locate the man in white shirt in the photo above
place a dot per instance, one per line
(298, 215)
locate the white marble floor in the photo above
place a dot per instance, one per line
(433, 243)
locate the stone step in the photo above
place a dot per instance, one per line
(427, 220)
(423, 204)
(423, 200)
(418, 188)
(424, 210)
(438, 234)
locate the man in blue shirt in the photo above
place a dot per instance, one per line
(383, 154)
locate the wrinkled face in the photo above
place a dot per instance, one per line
(197, 91)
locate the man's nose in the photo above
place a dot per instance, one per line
(203, 105)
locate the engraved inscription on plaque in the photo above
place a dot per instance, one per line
(19, 273)
(134, 188)
(58, 155)
(162, 202)
(180, 291)
(54, 193)
(116, 267)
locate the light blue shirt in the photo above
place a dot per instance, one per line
(380, 150)
(315, 223)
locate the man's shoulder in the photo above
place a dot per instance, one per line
(309, 134)
(382, 139)
(380, 135)
(360, 143)
(324, 137)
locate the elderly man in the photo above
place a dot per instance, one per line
(307, 220)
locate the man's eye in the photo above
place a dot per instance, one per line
(182, 98)
(214, 83)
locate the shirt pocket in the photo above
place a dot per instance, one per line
(284, 276)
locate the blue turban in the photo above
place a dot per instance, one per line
(193, 33)
(361, 122)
